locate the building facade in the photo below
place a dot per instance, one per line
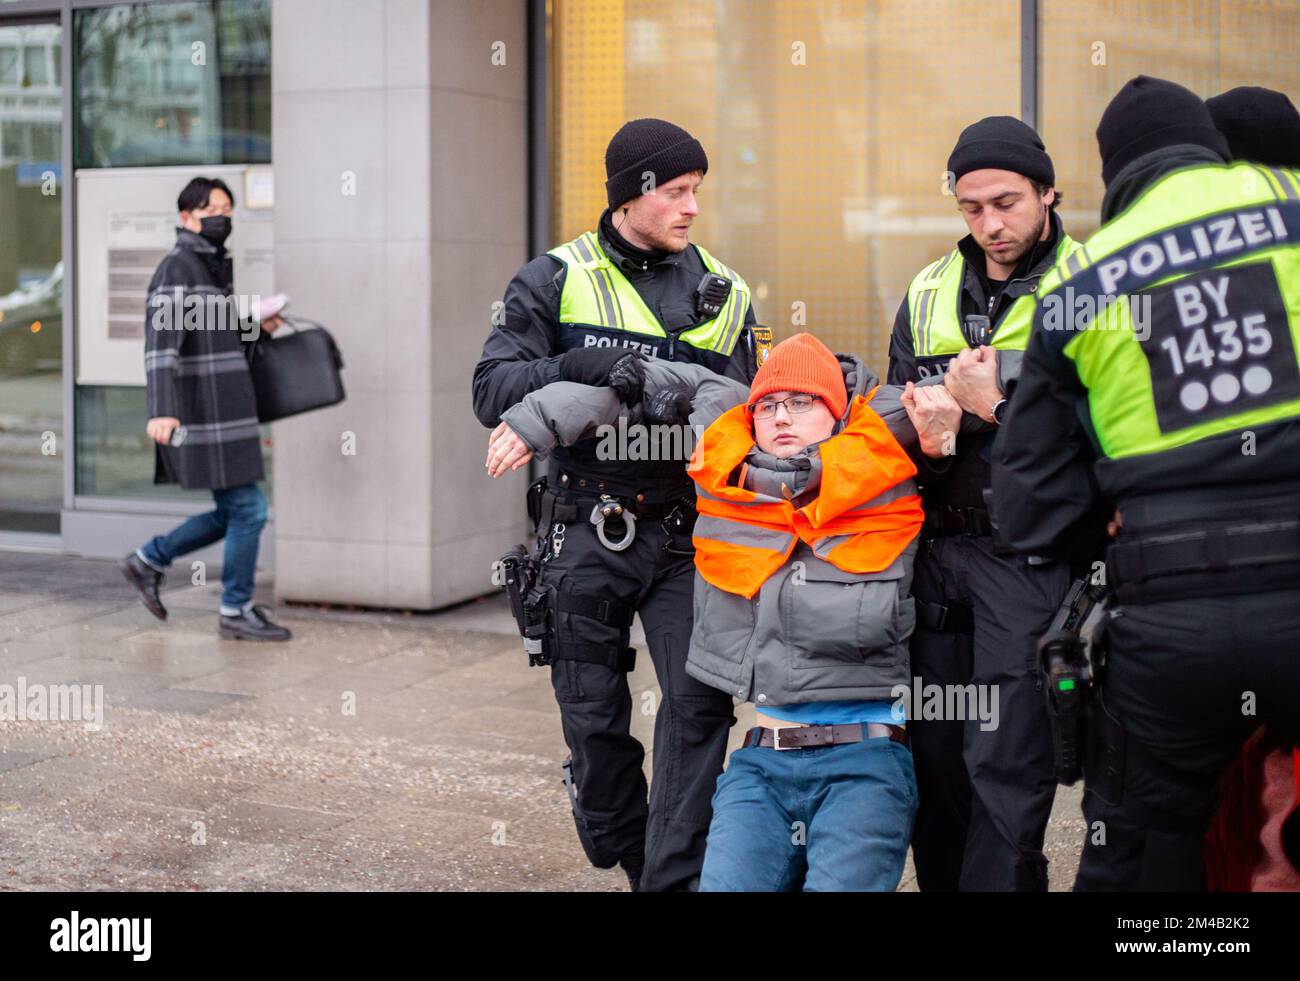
(395, 161)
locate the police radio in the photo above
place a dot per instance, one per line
(711, 295)
(978, 329)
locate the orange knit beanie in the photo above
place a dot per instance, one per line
(802, 364)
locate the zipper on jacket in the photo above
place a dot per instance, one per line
(1010, 283)
(673, 335)
(749, 644)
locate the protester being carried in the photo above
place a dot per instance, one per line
(804, 544)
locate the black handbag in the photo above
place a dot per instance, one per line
(296, 372)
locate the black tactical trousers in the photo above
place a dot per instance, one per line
(985, 793)
(615, 823)
(1188, 681)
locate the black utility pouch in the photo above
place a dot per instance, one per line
(679, 525)
(539, 625)
(533, 497)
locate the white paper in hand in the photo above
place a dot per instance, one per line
(272, 305)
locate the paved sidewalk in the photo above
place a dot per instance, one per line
(374, 751)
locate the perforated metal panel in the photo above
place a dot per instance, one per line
(1090, 48)
(828, 126)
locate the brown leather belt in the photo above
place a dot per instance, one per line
(812, 737)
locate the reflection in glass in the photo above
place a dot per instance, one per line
(162, 84)
(115, 458)
(173, 83)
(31, 281)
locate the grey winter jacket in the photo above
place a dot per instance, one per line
(812, 632)
(561, 413)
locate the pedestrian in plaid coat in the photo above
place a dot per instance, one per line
(203, 411)
(201, 376)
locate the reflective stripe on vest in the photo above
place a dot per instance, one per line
(597, 294)
(934, 307)
(742, 533)
(864, 516)
(1210, 258)
(750, 535)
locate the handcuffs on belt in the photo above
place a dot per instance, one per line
(676, 523)
(607, 508)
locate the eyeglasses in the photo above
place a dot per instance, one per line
(794, 405)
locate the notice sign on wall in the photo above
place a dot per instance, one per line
(137, 242)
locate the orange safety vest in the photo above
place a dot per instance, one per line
(865, 514)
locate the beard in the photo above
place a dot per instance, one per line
(666, 242)
(660, 239)
(1028, 244)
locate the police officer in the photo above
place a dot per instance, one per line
(1260, 125)
(986, 793)
(587, 312)
(1178, 407)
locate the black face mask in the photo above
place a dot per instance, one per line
(216, 229)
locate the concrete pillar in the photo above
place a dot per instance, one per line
(400, 154)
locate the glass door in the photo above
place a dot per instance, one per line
(31, 277)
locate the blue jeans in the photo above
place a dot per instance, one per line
(831, 819)
(239, 517)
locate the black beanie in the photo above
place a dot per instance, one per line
(653, 145)
(1148, 114)
(1260, 125)
(1001, 143)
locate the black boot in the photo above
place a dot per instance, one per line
(632, 869)
(252, 624)
(146, 579)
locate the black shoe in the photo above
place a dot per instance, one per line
(253, 624)
(146, 579)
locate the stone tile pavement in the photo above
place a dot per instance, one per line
(376, 750)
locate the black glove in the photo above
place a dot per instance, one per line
(669, 406)
(590, 365)
(627, 377)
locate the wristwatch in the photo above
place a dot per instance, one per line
(998, 411)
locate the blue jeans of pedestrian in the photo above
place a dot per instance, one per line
(830, 819)
(239, 516)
